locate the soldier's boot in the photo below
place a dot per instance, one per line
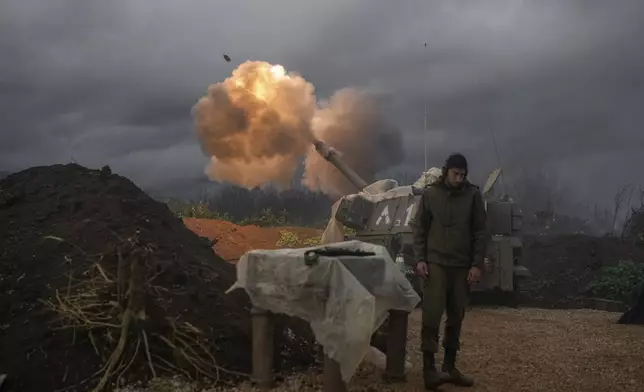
(454, 376)
(432, 377)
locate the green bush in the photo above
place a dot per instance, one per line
(201, 210)
(198, 210)
(349, 231)
(617, 282)
(313, 241)
(288, 239)
(267, 218)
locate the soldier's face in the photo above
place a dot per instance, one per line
(455, 177)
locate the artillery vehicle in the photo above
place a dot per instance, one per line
(383, 218)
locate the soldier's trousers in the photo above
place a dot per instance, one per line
(445, 291)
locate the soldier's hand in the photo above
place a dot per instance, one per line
(421, 269)
(474, 275)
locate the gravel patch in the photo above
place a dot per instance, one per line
(509, 350)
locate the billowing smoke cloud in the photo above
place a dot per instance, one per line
(351, 122)
(258, 125)
(255, 125)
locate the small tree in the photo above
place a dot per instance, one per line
(617, 282)
(634, 225)
(621, 196)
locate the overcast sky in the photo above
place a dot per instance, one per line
(559, 83)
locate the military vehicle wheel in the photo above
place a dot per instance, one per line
(512, 300)
(516, 292)
(508, 299)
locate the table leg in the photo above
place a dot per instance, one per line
(396, 346)
(263, 346)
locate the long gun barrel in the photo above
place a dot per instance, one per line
(332, 157)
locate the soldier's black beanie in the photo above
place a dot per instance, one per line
(456, 161)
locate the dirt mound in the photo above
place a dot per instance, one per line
(100, 280)
(233, 240)
(563, 266)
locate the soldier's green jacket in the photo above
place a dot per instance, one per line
(449, 227)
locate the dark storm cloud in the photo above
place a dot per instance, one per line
(558, 83)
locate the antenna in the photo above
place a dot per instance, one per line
(498, 159)
(425, 117)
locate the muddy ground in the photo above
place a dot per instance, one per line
(531, 350)
(231, 240)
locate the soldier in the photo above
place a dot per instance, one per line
(450, 240)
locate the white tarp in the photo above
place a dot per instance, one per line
(345, 298)
(429, 177)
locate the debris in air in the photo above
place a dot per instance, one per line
(227, 58)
